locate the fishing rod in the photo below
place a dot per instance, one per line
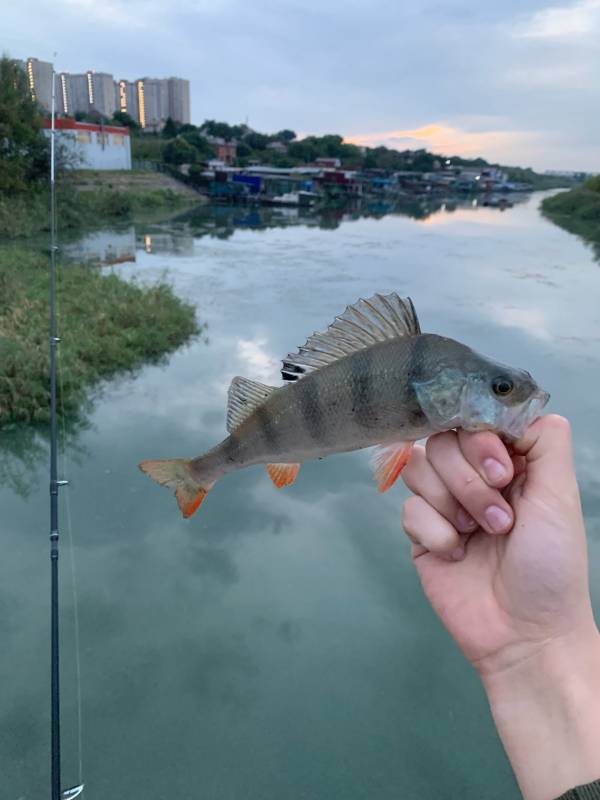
(55, 776)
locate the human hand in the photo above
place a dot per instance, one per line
(513, 590)
(510, 593)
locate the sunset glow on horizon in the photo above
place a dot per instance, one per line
(440, 137)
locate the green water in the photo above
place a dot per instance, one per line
(277, 645)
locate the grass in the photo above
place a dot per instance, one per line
(578, 211)
(107, 325)
(25, 215)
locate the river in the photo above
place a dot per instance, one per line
(277, 645)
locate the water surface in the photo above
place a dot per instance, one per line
(277, 645)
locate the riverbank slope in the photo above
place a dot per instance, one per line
(86, 197)
(578, 211)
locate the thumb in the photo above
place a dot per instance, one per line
(547, 448)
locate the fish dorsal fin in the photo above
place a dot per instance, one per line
(381, 317)
(242, 398)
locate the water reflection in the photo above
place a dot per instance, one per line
(177, 237)
(278, 644)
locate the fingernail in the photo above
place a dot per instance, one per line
(497, 519)
(465, 521)
(458, 554)
(494, 470)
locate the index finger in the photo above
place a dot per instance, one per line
(487, 454)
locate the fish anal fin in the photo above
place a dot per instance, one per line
(283, 474)
(243, 397)
(389, 461)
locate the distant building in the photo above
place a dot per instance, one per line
(102, 93)
(328, 163)
(149, 101)
(78, 93)
(277, 147)
(39, 79)
(126, 99)
(161, 98)
(179, 100)
(224, 151)
(64, 101)
(89, 146)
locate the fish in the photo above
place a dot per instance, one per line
(371, 378)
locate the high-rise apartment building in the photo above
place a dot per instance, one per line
(179, 100)
(101, 87)
(126, 98)
(149, 101)
(39, 79)
(79, 91)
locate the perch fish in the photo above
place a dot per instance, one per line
(372, 378)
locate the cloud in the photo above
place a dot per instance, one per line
(260, 363)
(448, 140)
(563, 22)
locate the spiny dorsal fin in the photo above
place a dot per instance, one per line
(242, 398)
(365, 323)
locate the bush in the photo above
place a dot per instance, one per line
(107, 325)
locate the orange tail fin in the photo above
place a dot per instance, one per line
(176, 474)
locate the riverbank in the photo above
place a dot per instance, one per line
(577, 211)
(107, 325)
(86, 197)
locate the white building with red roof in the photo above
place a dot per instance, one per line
(89, 146)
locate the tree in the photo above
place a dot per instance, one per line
(123, 118)
(286, 135)
(200, 143)
(256, 141)
(93, 116)
(178, 151)
(24, 150)
(170, 130)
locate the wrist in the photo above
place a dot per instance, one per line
(546, 706)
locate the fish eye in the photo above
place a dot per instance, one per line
(502, 386)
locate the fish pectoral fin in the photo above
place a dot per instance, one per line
(389, 461)
(283, 474)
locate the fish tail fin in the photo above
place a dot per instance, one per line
(176, 473)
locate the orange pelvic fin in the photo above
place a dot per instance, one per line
(283, 474)
(389, 461)
(176, 474)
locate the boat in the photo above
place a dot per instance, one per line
(300, 198)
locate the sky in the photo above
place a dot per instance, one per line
(516, 82)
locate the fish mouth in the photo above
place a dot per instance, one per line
(517, 420)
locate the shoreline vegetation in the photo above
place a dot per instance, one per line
(107, 325)
(27, 214)
(578, 211)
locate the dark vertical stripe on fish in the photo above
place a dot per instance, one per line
(363, 388)
(311, 408)
(267, 428)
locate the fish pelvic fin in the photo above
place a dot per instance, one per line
(388, 463)
(283, 474)
(176, 473)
